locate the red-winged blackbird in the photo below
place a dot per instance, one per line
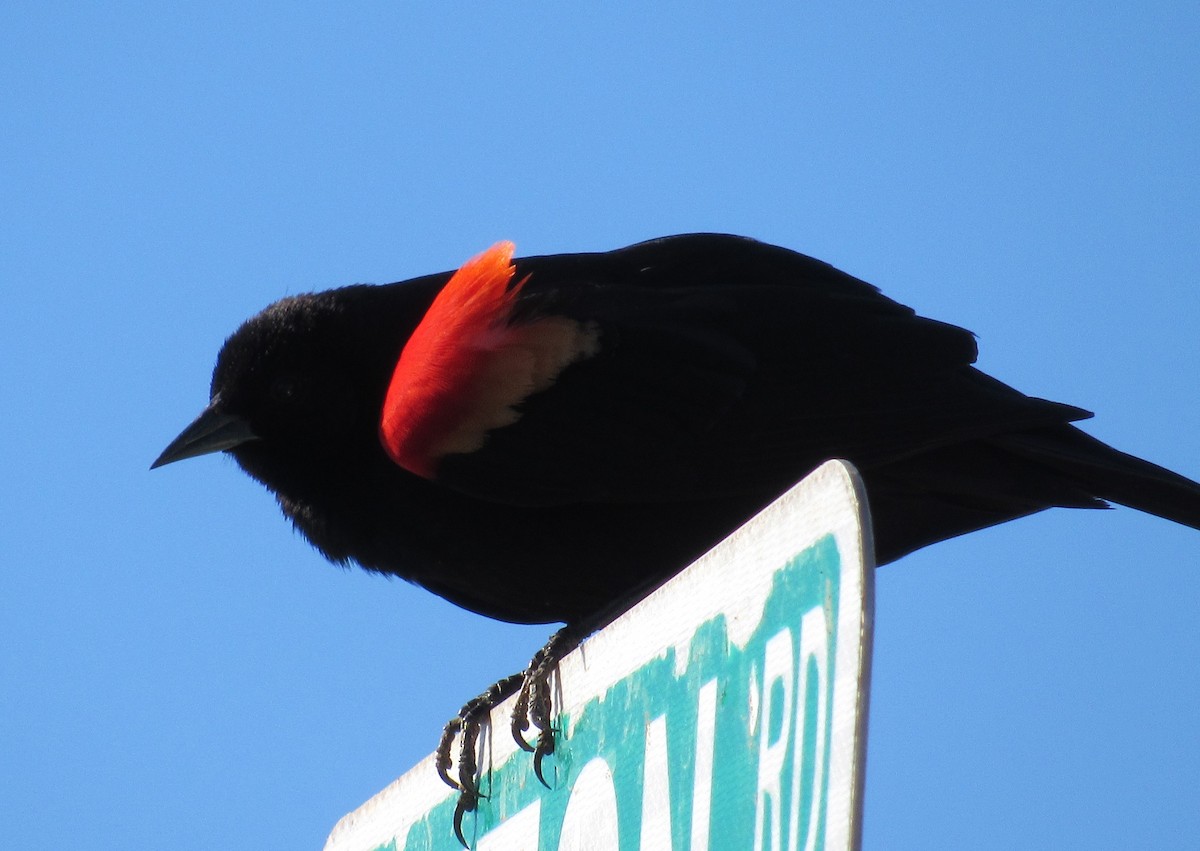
(546, 441)
(539, 439)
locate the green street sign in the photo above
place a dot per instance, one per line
(727, 710)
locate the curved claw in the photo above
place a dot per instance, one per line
(545, 747)
(520, 716)
(467, 763)
(466, 804)
(443, 760)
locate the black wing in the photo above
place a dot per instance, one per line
(728, 367)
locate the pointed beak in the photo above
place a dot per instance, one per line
(212, 431)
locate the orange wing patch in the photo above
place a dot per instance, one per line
(466, 368)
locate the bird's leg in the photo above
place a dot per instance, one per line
(534, 704)
(467, 724)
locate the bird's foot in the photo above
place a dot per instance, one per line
(466, 726)
(534, 707)
(533, 710)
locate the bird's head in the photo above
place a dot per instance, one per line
(297, 386)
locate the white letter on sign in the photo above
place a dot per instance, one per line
(814, 648)
(777, 685)
(517, 833)
(706, 731)
(656, 790)
(590, 822)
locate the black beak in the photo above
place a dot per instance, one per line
(212, 431)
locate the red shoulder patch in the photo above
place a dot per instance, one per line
(467, 366)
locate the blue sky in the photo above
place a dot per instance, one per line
(178, 669)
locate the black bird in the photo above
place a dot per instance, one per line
(545, 439)
(572, 433)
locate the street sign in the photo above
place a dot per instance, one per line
(727, 710)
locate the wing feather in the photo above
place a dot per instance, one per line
(720, 366)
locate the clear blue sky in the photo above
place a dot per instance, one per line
(180, 670)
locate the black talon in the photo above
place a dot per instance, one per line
(540, 712)
(545, 747)
(467, 764)
(466, 803)
(444, 760)
(523, 716)
(520, 715)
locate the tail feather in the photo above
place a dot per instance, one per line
(961, 488)
(1110, 474)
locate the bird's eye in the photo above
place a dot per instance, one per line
(285, 388)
